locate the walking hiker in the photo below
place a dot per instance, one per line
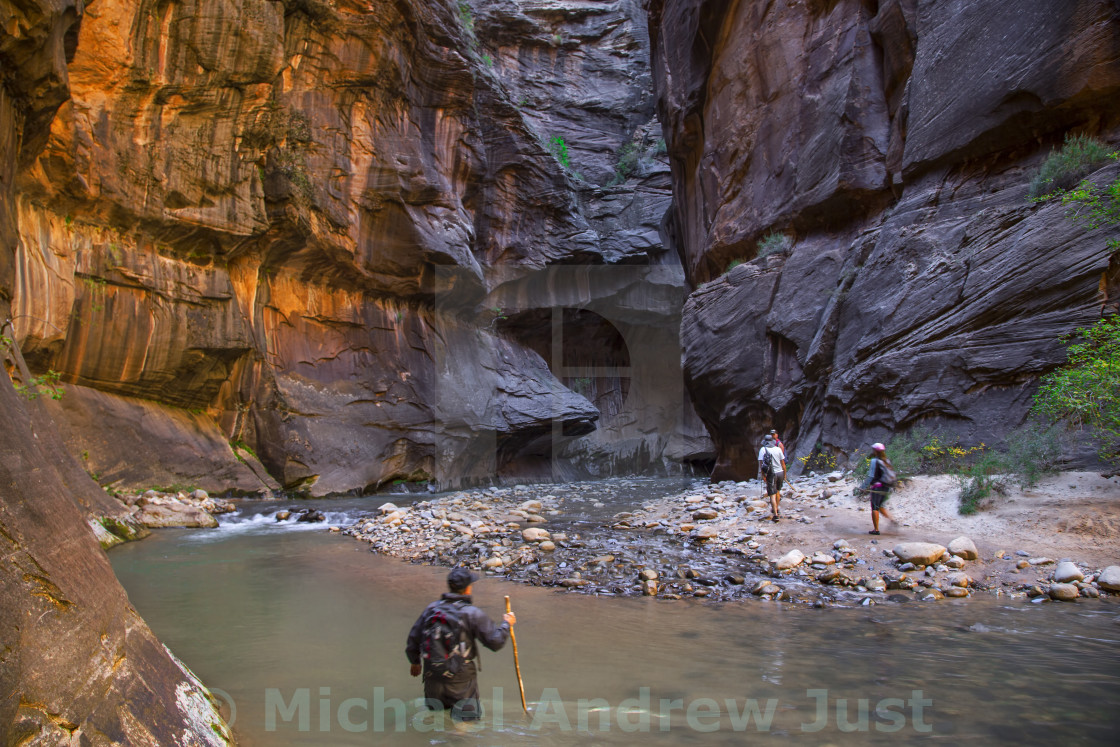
(880, 479)
(778, 442)
(441, 645)
(772, 468)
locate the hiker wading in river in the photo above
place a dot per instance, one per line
(441, 645)
(772, 469)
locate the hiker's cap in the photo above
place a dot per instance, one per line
(773, 432)
(459, 579)
(878, 447)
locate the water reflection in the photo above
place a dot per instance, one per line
(305, 632)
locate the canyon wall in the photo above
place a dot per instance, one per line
(77, 664)
(850, 204)
(310, 245)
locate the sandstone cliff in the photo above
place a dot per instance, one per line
(293, 244)
(77, 664)
(883, 150)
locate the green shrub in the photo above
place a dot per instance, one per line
(1080, 156)
(1033, 451)
(979, 480)
(560, 149)
(773, 243)
(1085, 392)
(628, 157)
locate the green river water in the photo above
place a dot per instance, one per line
(301, 634)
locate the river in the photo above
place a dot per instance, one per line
(301, 634)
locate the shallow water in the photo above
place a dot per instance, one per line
(302, 632)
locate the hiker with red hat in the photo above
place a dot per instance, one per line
(881, 478)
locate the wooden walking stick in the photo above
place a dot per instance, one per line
(517, 662)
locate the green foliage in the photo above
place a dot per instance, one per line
(1063, 169)
(7, 343)
(773, 243)
(487, 60)
(922, 451)
(48, 382)
(560, 149)
(466, 19)
(820, 460)
(979, 480)
(629, 155)
(239, 445)
(1085, 392)
(732, 265)
(661, 149)
(581, 385)
(1096, 207)
(1033, 452)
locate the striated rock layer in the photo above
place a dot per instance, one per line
(850, 204)
(286, 245)
(77, 664)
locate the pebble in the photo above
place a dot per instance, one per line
(1040, 561)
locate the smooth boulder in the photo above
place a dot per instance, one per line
(1067, 572)
(918, 553)
(1064, 592)
(1110, 578)
(791, 559)
(964, 547)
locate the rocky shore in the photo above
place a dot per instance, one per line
(713, 541)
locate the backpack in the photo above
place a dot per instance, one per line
(767, 462)
(887, 476)
(443, 645)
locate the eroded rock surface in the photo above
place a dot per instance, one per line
(850, 202)
(310, 233)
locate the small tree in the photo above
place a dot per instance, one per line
(1085, 392)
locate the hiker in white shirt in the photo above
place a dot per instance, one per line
(772, 468)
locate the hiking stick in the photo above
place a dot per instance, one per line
(517, 662)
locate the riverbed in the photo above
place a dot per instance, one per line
(300, 633)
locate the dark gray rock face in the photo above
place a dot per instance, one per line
(889, 149)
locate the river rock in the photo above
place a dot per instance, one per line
(494, 562)
(791, 559)
(285, 515)
(958, 592)
(1064, 592)
(647, 574)
(535, 534)
(1067, 572)
(174, 515)
(960, 579)
(822, 558)
(547, 546)
(571, 583)
(918, 553)
(706, 533)
(649, 587)
(1040, 561)
(963, 547)
(933, 595)
(1110, 578)
(705, 513)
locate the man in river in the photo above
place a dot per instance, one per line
(441, 645)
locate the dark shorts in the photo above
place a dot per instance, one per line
(878, 498)
(458, 694)
(774, 482)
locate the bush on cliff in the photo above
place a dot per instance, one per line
(1063, 169)
(1085, 392)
